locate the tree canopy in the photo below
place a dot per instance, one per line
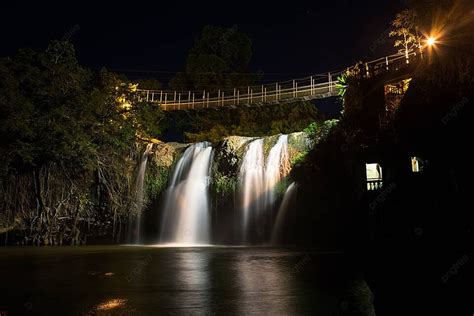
(219, 59)
(52, 109)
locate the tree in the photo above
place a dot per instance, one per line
(406, 30)
(149, 84)
(252, 122)
(218, 60)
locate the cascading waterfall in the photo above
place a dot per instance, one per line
(259, 183)
(139, 188)
(252, 183)
(282, 212)
(277, 166)
(186, 209)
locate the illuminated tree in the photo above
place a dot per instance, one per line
(407, 32)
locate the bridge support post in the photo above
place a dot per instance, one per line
(235, 92)
(179, 102)
(330, 82)
(263, 97)
(218, 98)
(189, 99)
(294, 95)
(386, 62)
(166, 99)
(208, 100)
(161, 96)
(311, 85)
(223, 99)
(174, 101)
(193, 101)
(248, 95)
(147, 95)
(238, 97)
(276, 91)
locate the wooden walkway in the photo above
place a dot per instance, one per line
(309, 88)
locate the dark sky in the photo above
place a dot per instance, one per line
(290, 39)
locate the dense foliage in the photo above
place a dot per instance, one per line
(255, 122)
(65, 130)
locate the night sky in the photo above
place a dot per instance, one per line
(152, 40)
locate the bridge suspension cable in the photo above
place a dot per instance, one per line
(313, 87)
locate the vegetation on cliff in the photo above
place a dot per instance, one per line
(68, 145)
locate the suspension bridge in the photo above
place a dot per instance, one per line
(303, 89)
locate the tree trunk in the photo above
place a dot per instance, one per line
(39, 198)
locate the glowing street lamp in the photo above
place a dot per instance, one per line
(431, 41)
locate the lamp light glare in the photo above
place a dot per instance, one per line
(431, 41)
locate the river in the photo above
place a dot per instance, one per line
(146, 280)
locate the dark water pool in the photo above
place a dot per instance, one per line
(128, 280)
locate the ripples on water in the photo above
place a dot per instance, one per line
(171, 281)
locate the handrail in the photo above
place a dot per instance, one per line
(306, 88)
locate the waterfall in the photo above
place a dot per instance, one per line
(252, 184)
(139, 189)
(186, 209)
(282, 211)
(277, 166)
(259, 183)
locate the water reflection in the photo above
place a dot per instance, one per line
(172, 281)
(265, 286)
(111, 304)
(193, 283)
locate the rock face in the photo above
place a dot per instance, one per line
(229, 154)
(165, 154)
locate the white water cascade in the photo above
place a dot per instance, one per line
(252, 183)
(259, 180)
(282, 212)
(277, 166)
(186, 209)
(139, 182)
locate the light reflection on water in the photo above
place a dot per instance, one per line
(193, 279)
(169, 281)
(264, 286)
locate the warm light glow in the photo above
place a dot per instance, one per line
(111, 304)
(431, 41)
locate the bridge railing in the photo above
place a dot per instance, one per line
(302, 89)
(314, 87)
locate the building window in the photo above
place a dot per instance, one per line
(416, 164)
(374, 176)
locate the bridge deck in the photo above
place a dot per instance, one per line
(285, 92)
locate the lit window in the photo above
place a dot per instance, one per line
(374, 176)
(416, 164)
